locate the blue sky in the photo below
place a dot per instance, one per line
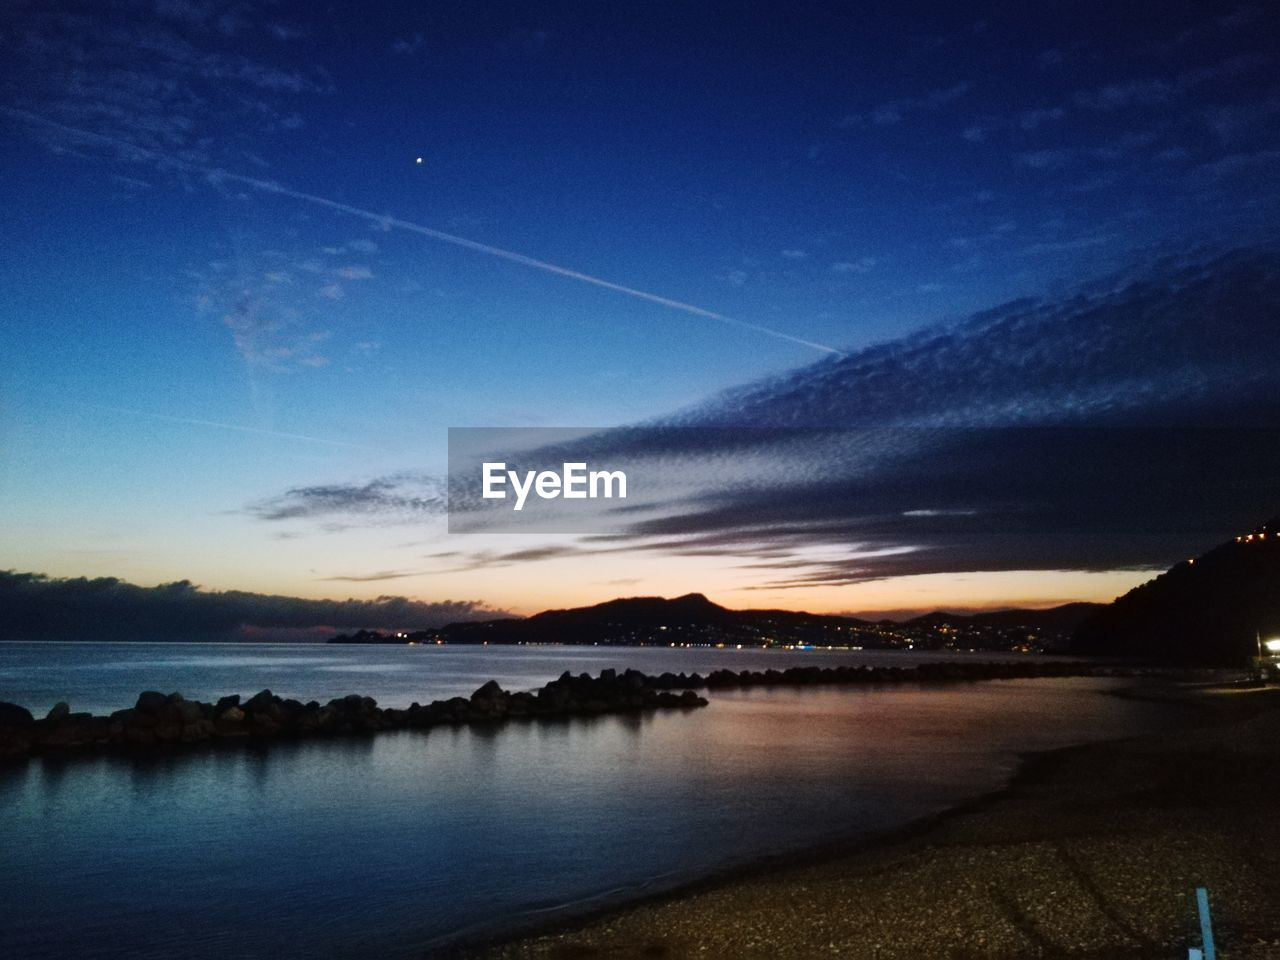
(193, 325)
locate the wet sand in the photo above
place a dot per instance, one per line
(1092, 851)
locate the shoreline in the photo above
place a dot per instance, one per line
(658, 924)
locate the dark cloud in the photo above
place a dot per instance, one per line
(36, 607)
(402, 497)
(1126, 424)
(1185, 340)
(374, 577)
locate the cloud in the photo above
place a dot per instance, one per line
(793, 254)
(159, 76)
(286, 32)
(1081, 432)
(399, 498)
(1238, 164)
(1045, 159)
(408, 46)
(1135, 93)
(1034, 119)
(354, 273)
(374, 577)
(892, 112)
(34, 606)
(860, 265)
(276, 322)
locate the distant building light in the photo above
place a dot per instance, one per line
(1273, 646)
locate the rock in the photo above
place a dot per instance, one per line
(14, 716)
(150, 701)
(232, 714)
(490, 691)
(260, 701)
(59, 711)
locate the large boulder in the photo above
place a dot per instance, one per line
(150, 701)
(14, 716)
(490, 691)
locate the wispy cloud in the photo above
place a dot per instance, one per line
(401, 497)
(1118, 96)
(892, 112)
(158, 75)
(1053, 159)
(860, 265)
(408, 46)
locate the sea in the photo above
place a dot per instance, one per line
(410, 843)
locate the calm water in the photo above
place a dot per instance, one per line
(388, 845)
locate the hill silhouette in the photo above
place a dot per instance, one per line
(1210, 610)
(693, 618)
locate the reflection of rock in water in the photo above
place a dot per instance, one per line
(157, 720)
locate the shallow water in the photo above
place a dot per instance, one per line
(385, 845)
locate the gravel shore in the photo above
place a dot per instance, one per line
(1092, 852)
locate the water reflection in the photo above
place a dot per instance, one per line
(347, 847)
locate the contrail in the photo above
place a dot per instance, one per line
(228, 426)
(383, 220)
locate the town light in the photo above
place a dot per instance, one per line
(1273, 646)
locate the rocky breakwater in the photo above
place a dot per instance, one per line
(169, 720)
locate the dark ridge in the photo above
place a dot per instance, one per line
(692, 618)
(1210, 610)
(1066, 617)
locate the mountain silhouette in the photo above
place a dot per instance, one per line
(1210, 610)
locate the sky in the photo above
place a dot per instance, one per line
(260, 257)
